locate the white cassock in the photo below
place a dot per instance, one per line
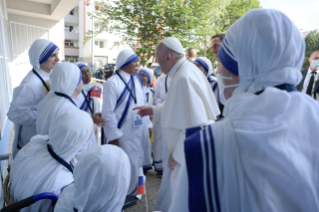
(26, 97)
(101, 182)
(164, 194)
(189, 102)
(65, 78)
(34, 169)
(121, 123)
(263, 156)
(94, 102)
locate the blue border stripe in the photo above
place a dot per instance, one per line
(124, 115)
(207, 168)
(216, 194)
(194, 162)
(202, 64)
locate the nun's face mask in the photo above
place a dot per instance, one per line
(226, 84)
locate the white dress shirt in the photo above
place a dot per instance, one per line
(307, 80)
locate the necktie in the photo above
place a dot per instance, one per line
(309, 89)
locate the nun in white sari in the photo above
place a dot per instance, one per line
(263, 156)
(101, 182)
(45, 164)
(205, 65)
(66, 84)
(147, 77)
(88, 99)
(43, 55)
(85, 101)
(157, 146)
(124, 127)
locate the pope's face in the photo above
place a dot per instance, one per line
(162, 59)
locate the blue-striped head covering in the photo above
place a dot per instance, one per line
(81, 65)
(40, 51)
(227, 58)
(125, 58)
(48, 51)
(148, 73)
(206, 64)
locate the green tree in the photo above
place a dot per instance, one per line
(143, 23)
(233, 11)
(312, 44)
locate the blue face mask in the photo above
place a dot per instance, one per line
(315, 63)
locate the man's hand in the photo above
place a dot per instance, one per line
(98, 120)
(171, 162)
(150, 132)
(144, 110)
(115, 142)
(99, 114)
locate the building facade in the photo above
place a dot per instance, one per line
(99, 51)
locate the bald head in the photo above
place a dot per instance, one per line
(166, 57)
(191, 54)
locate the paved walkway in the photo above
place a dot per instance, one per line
(152, 187)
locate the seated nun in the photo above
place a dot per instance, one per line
(66, 85)
(45, 164)
(263, 156)
(101, 182)
(88, 99)
(205, 65)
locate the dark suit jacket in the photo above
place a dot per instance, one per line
(300, 86)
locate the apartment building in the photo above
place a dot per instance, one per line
(101, 50)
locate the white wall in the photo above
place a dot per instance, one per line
(19, 66)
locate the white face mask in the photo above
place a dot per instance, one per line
(221, 87)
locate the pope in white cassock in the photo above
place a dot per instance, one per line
(189, 102)
(263, 156)
(43, 55)
(66, 85)
(124, 127)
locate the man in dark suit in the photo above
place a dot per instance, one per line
(310, 83)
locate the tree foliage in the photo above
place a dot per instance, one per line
(144, 23)
(312, 44)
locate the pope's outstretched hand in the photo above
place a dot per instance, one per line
(144, 110)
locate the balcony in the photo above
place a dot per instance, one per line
(71, 35)
(71, 19)
(71, 51)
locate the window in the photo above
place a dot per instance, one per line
(100, 44)
(72, 12)
(71, 59)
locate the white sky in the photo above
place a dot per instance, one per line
(304, 13)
